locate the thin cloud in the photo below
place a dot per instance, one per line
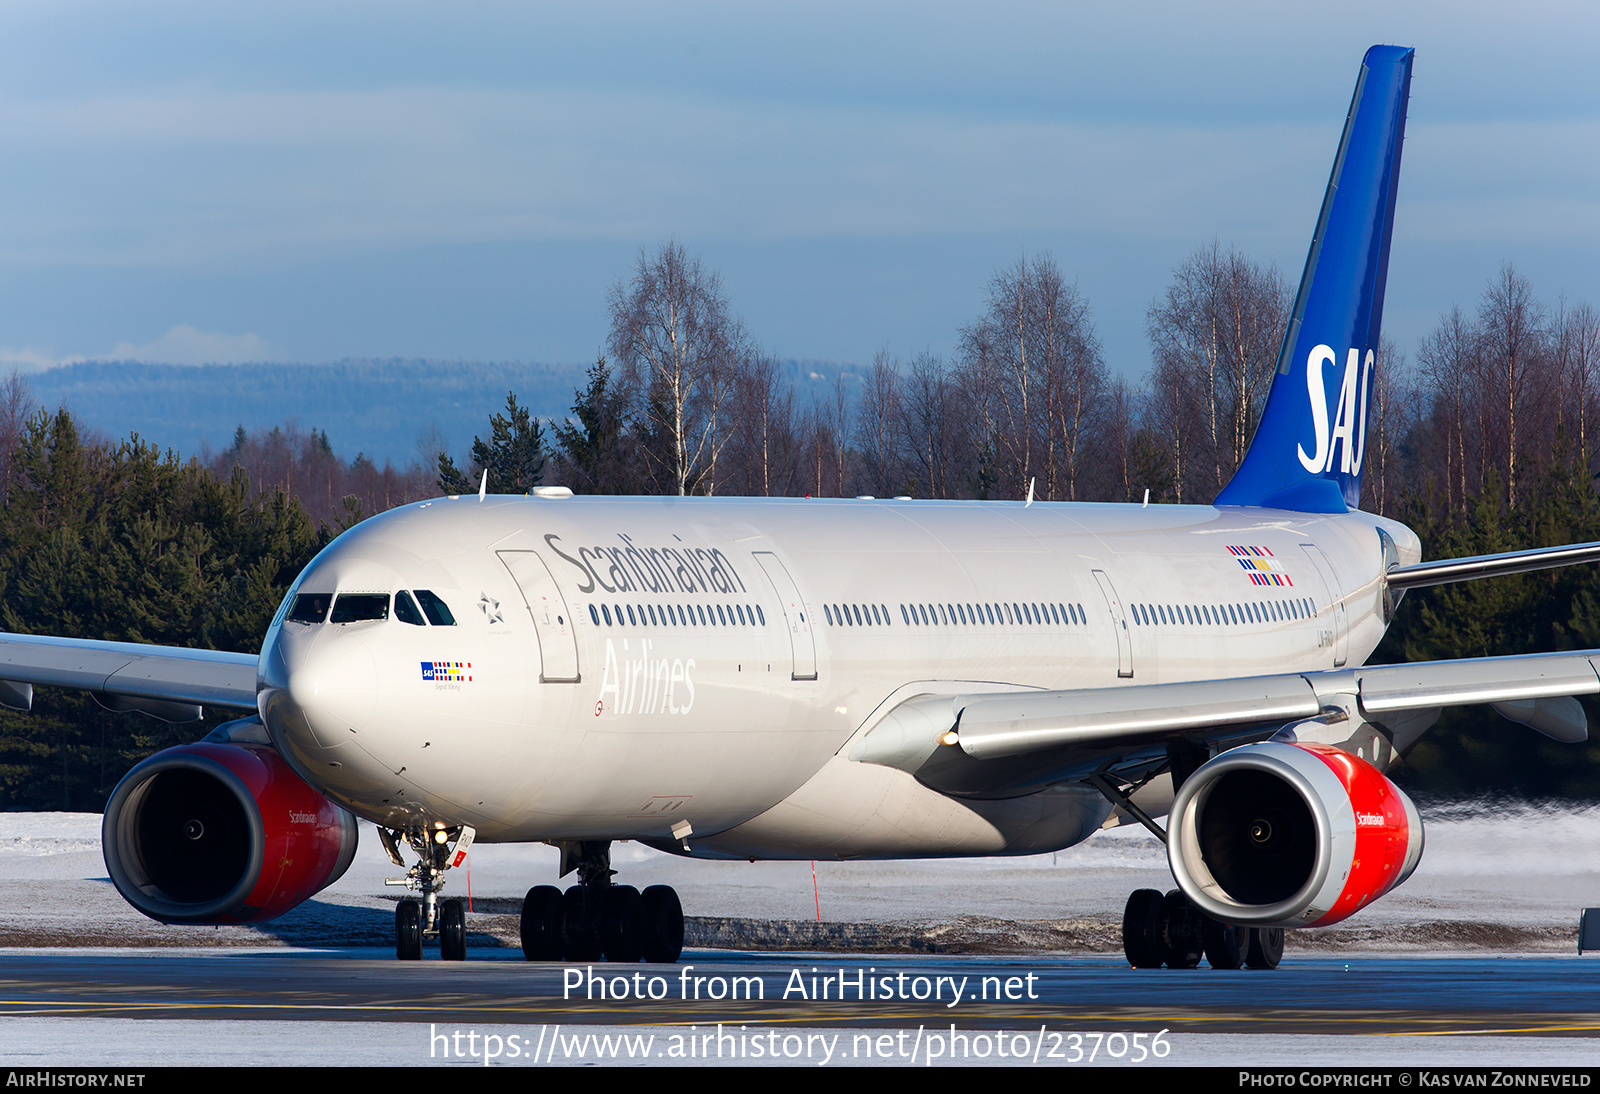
(186, 345)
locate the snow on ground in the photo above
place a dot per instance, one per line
(1494, 877)
(1498, 876)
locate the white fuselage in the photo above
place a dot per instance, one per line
(600, 682)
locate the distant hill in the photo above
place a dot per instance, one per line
(377, 407)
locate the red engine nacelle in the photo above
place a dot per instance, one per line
(222, 833)
(1290, 835)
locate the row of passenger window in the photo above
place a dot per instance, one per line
(371, 608)
(1224, 615)
(966, 615)
(856, 615)
(678, 615)
(998, 614)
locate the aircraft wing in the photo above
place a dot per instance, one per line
(169, 682)
(1005, 743)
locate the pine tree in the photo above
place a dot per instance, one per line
(514, 455)
(593, 451)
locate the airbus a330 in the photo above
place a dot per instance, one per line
(863, 678)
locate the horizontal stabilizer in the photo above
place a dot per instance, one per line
(1448, 570)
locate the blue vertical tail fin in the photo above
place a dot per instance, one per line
(1307, 451)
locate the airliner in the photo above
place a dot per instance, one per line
(854, 678)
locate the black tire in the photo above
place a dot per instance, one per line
(1266, 948)
(580, 925)
(541, 924)
(622, 925)
(1141, 930)
(453, 931)
(1226, 943)
(408, 931)
(663, 924)
(1183, 930)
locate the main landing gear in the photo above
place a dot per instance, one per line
(595, 919)
(437, 851)
(1169, 930)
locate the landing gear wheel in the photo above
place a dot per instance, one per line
(663, 924)
(1266, 948)
(1141, 930)
(580, 924)
(1182, 932)
(541, 924)
(622, 925)
(453, 931)
(1226, 943)
(408, 931)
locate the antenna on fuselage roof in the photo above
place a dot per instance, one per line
(1030, 494)
(483, 487)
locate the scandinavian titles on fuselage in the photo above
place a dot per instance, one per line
(630, 568)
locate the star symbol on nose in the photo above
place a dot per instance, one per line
(491, 608)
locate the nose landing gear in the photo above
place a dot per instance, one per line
(595, 919)
(437, 850)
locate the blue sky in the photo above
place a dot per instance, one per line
(308, 182)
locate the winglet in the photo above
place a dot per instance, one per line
(1307, 451)
(483, 486)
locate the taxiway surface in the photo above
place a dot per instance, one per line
(1472, 961)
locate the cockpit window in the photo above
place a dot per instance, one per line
(437, 611)
(310, 607)
(360, 607)
(405, 609)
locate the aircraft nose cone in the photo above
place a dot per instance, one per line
(319, 685)
(335, 688)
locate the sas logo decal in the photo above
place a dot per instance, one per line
(1350, 421)
(1261, 566)
(447, 672)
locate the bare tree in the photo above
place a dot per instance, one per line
(292, 461)
(16, 407)
(838, 429)
(1447, 360)
(1512, 341)
(931, 425)
(1575, 341)
(877, 427)
(1117, 435)
(1172, 400)
(765, 457)
(1391, 416)
(1215, 337)
(1035, 354)
(670, 326)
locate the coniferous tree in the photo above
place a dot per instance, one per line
(514, 455)
(592, 446)
(124, 542)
